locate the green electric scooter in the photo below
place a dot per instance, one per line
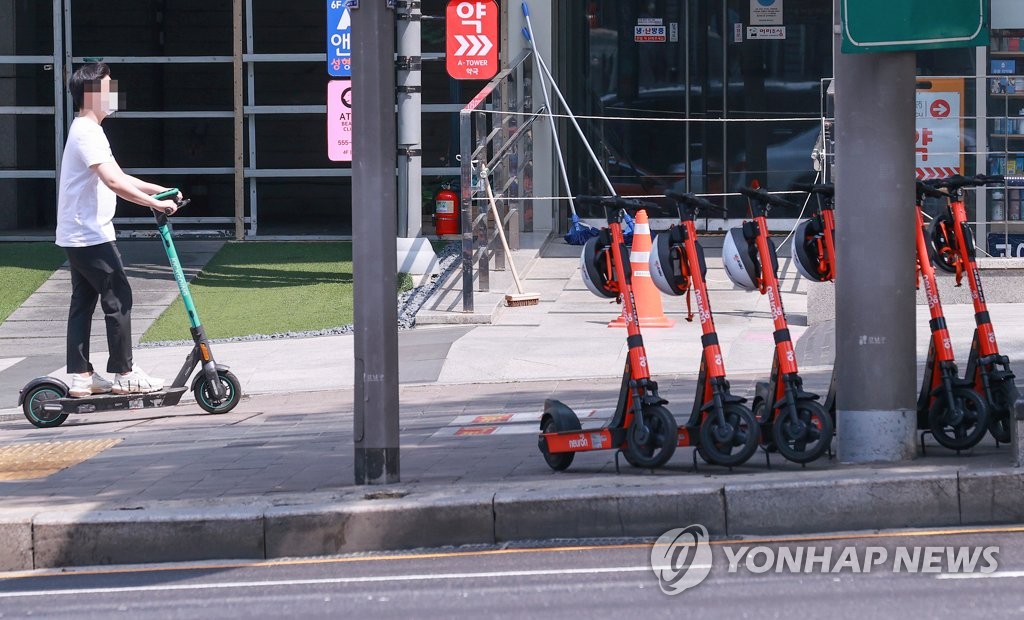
(45, 400)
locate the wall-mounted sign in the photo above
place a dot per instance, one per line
(650, 30)
(766, 32)
(938, 129)
(339, 39)
(472, 39)
(766, 12)
(339, 120)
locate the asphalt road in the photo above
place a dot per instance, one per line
(573, 580)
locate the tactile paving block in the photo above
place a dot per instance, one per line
(26, 461)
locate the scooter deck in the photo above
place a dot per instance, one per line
(115, 402)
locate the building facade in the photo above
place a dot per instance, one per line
(702, 95)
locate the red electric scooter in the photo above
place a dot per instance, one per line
(791, 419)
(952, 248)
(814, 252)
(641, 428)
(723, 429)
(948, 406)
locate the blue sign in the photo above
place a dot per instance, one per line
(1004, 67)
(1006, 246)
(339, 38)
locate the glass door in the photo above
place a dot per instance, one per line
(698, 95)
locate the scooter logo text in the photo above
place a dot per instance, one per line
(681, 558)
(581, 442)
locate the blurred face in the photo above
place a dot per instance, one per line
(102, 97)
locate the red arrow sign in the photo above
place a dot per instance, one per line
(940, 108)
(472, 39)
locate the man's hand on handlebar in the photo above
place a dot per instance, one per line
(168, 207)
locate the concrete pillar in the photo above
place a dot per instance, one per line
(875, 278)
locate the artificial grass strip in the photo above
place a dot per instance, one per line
(253, 288)
(23, 268)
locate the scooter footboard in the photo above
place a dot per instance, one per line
(580, 441)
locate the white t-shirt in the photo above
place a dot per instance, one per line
(85, 206)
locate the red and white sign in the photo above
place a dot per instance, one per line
(339, 120)
(938, 135)
(472, 39)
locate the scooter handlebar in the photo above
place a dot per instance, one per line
(161, 216)
(616, 201)
(693, 200)
(924, 189)
(826, 189)
(767, 199)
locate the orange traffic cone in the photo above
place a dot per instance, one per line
(648, 299)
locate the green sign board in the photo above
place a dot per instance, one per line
(908, 25)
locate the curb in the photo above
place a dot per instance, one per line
(417, 517)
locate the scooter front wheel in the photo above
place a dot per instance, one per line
(232, 393)
(961, 425)
(804, 435)
(729, 441)
(1004, 394)
(33, 403)
(558, 461)
(656, 446)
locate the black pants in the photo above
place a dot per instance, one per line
(97, 274)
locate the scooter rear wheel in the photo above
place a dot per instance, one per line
(962, 426)
(232, 393)
(558, 461)
(655, 447)
(730, 446)
(805, 437)
(32, 406)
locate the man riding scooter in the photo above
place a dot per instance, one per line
(90, 182)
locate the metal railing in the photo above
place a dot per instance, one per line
(496, 130)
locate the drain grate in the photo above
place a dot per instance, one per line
(27, 461)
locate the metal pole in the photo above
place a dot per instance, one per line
(876, 356)
(374, 247)
(237, 69)
(410, 168)
(60, 77)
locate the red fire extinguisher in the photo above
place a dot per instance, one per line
(446, 211)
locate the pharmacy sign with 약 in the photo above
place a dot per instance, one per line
(472, 39)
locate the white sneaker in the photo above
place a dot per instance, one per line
(136, 382)
(87, 386)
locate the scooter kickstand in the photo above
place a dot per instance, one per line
(695, 468)
(617, 453)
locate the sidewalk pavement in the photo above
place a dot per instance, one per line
(274, 477)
